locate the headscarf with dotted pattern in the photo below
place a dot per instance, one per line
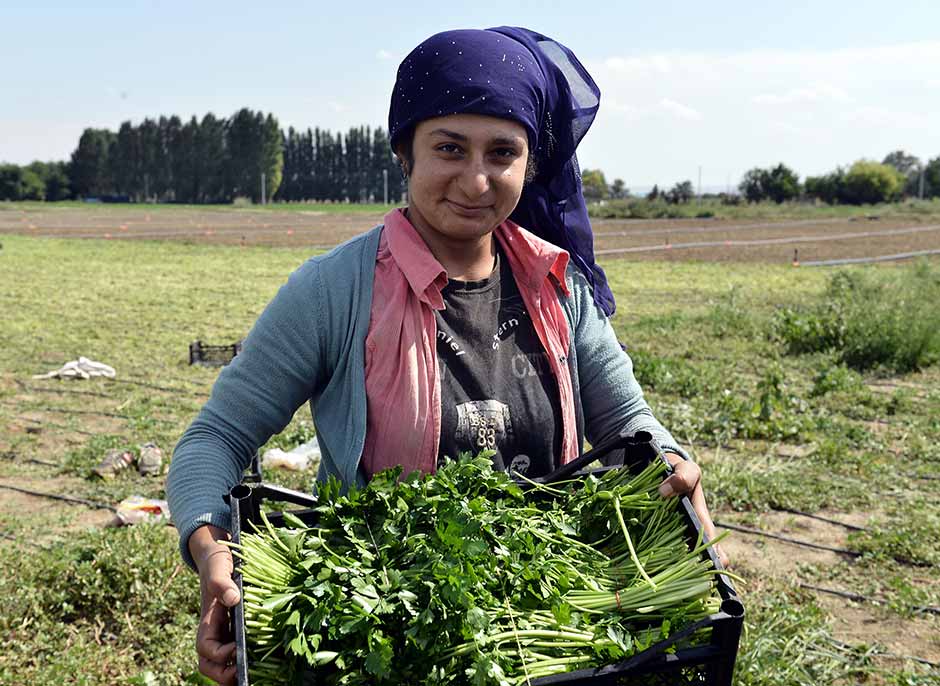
(529, 78)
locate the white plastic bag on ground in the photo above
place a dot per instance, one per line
(82, 368)
(298, 459)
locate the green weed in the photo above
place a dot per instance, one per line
(870, 320)
(789, 643)
(105, 603)
(910, 532)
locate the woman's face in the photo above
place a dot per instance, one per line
(467, 175)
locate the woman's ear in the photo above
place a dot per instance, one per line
(404, 153)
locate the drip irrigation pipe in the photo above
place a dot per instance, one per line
(786, 539)
(860, 598)
(37, 389)
(65, 498)
(769, 241)
(807, 544)
(115, 415)
(846, 525)
(866, 260)
(11, 537)
(56, 426)
(896, 656)
(679, 230)
(178, 391)
(45, 463)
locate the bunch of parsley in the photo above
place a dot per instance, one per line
(462, 578)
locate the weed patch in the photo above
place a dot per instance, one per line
(870, 320)
(114, 598)
(911, 533)
(789, 643)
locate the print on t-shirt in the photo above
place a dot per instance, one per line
(483, 424)
(498, 391)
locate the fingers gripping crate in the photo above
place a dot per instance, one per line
(710, 661)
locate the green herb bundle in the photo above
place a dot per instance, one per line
(461, 578)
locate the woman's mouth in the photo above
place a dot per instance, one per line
(468, 210)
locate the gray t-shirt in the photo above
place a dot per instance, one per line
(497, 388)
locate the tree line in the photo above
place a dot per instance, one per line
(900, 175)
(213, 160)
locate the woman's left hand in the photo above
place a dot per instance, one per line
(687, 480)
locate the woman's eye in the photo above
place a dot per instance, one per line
(506, 153)
(449, 148)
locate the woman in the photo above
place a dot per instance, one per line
(448, 328)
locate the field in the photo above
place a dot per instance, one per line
(736, 234)
(723, 340)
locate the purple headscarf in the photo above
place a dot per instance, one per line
(521, 75)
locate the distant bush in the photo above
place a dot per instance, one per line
(870, 320)
(778, 184)
(865, 183)
(645, 208)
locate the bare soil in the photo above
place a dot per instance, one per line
(659, 240)
(757, 558)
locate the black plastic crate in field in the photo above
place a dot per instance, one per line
(668, 663)
(213, 355)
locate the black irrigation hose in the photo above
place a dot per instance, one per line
(95, 413)
(65, 498)
(31, 388)
(820, 518)
(786, 539)
(896, 656)
(859, 598)
(178, 391)
(11, 537)
(55, 426)
(807, 544)
(10, 455)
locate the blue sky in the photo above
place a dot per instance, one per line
(724, 86)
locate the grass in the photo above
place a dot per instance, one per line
(105, 606)
(329, 207)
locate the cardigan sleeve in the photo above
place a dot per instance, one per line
(612, 400)
(281, 365)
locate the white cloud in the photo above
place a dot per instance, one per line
(888, 117)
(679, 110)
(786, 127)
(819, 92)
(812, 109)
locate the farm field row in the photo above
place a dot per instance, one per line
(739, 240)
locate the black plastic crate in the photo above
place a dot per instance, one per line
(213, 355)
(710, 664)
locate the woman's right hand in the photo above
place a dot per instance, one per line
(214, 641)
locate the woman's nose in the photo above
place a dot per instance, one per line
(474, 180)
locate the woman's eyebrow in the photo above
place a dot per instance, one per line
(500, 140)
(453, 135)
(450, 134)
